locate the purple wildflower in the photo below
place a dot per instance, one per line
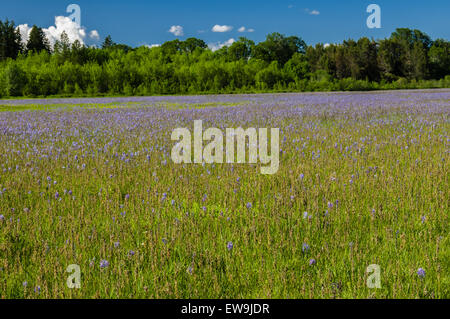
(421, 272)
(305, 248)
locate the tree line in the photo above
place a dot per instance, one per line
(407, 59)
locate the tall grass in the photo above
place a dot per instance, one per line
(363, 179)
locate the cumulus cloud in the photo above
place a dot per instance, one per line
(244, 29)
(326, 45)
(62, 24)
(177, 30)
(222, 28)
(219, 45)
(94, 35)
(24, 30)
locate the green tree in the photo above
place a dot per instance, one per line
(277, 64)
(191, 44)
(16, 80)
(241, 49)
(420, 65)
(414, 46)
(297, 67)
(279, 48)
(390, 55)
(37, 41)
(108, 43)
(10, 40)
(439, 59)
(367, 54)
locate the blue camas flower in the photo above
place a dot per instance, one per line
(421, 272)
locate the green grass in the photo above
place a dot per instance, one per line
(378, 218)
(114, 105)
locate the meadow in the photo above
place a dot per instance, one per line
(363, 179)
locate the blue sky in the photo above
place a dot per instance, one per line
(137, 23)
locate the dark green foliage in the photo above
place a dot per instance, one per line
(439, 59)
(408, 59)
(10, 40)
(37, 41)
(108, 43)
(279, 48)
(241, 49)
(191, 44)
(15, 80)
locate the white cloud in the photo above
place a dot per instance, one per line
(151, 46)
(177, 30)
(65, 24)
(244, 29)
(219, 45)
(24, 30)
(222, 28)
(94, 35)
(62, 24)
(326, 45)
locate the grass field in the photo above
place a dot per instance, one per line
(363, 179)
